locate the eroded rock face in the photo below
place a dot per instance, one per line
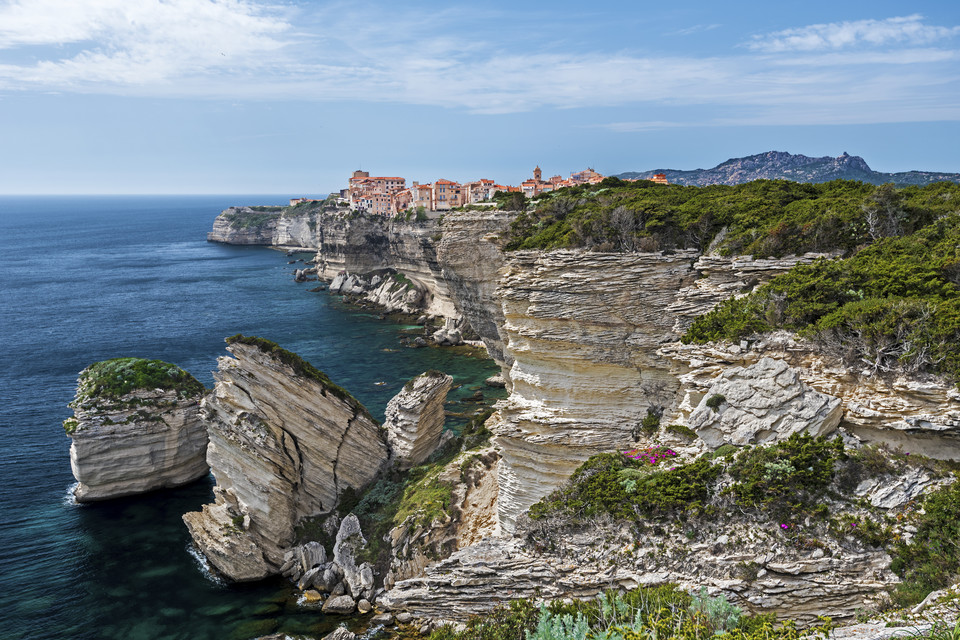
(920, 414)
(284, 444)
(415, 417)
(143, 440)
(762, 403)
(470, 256)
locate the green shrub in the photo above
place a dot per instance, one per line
(786, 479)
(613, 484)
(715, 401)
(683, 431)
(895, 305)
(119, 376)
(931, 560)
(720, 616)
(762, 218)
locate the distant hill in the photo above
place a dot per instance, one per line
(780, 165)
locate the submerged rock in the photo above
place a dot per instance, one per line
(285, 442)
(136, 428)
(414, 418)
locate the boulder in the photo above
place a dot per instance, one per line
(415, 418)
(764, 402)
(364, 606)
(312, 554)
(357, 579)
(340, 633)
(343, 605)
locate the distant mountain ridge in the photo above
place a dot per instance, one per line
(780, 165)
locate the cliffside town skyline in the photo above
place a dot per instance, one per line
(389, 195)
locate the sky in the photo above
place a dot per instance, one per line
(289, 97)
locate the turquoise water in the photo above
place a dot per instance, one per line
(88, 278)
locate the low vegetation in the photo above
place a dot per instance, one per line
(798, 493)
(119, 376)
(760, 218)
(894, 306)
(664, 612)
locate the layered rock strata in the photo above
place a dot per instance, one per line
(470, 517)
(752, 560)
(139, 441)
(470, 255)
(285, 442)
(415, 416)
(281, 229)
(583, 330)
(918, 413)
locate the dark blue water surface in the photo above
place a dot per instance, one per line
(83, 279)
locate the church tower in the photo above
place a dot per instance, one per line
(537, 173)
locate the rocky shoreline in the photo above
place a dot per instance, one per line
(590, 353)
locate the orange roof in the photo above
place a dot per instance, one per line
(442, 181)
(383, 178)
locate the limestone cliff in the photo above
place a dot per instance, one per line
(285, 442)
(136, 428)
(289, 228)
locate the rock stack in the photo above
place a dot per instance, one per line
(414, 418)
(285, 442)
(136, 428)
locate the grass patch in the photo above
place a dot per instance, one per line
(251, 219)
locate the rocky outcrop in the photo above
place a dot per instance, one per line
(584, 332)
(470, 517)
(415, 417)
(759, 563)
(279, 227)
(761, 403)
(780, 165)
(136, 441)
(285, 442)
(362, 245)
(920, 414)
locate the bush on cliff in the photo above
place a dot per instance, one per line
(931, 560)
(664, 612)
(762, 218)
(119, 376)
(611, 483)
(895, 305)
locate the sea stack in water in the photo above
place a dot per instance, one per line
(414, 420)
(285, 442)
(136, 428)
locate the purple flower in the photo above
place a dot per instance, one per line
(784, 526)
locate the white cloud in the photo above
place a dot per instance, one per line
(840, 35)
(238, 49)
(135, 42)
(697, 28)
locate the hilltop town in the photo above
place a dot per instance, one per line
(390, 196)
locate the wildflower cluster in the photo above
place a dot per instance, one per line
(651, 455)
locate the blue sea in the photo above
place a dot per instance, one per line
(87, 278)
